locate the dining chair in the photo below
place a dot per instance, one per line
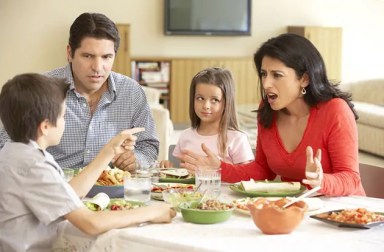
(174, 160)
(372, 178)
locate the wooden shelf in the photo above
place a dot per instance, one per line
(154, 73)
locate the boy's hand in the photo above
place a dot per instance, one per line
(123, 145)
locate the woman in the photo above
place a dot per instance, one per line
(301, 110)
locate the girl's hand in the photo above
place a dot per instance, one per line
(166, 164)
(313, 170)
(191, 161)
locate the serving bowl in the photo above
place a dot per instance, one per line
(192, 212)
(175, 196)
(271, 218)
(116, 191)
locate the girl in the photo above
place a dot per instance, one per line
(213, 118)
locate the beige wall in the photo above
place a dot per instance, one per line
(34, 33)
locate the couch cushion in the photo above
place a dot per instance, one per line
(370, 91)
(370, 114)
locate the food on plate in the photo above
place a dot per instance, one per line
(99, 202)
(209, 212)
(112, 177)
(174, 173)
(241, 204)
(214, 205)
(160, 187)
(121, 204)
(270, 186)
(352, 216)
(113, 205)
(175, 196)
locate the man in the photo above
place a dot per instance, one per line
(100, 103)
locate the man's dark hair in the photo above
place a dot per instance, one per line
(94, 25)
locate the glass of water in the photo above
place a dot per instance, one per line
(209, 180)
(137, 189)
(68, 173)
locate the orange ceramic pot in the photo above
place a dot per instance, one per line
(271, 218)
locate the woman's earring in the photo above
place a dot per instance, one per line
(303, 91)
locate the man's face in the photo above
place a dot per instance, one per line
(91, 64)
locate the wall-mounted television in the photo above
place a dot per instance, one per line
(207, 17)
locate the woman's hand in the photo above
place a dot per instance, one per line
(313, 170)
(191, 161)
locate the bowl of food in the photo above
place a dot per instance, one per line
(175, 196)
(271, 218)
(208, 212)
(116, 191)
(111, 182)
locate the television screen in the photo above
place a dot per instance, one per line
(207, 17)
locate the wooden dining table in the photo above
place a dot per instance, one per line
(238, 234)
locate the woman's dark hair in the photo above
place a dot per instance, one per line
(300, 54)
(221, 78)
(94, 25)
(27, 100)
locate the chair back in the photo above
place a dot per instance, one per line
(372, 178)
(175, 161)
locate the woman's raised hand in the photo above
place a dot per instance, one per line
(191, 160)
(313, 170)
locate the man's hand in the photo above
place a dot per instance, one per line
(125, 161)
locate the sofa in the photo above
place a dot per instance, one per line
(161, 116)
(368, 98)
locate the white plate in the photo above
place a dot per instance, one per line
(159, 195)
(313, 203)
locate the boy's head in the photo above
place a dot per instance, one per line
(29, 99)
(94, 25)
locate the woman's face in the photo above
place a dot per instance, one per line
(209, 102)
(281, 84)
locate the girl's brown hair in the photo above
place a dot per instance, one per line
(221, 78)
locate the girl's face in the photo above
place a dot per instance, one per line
(209, 103)
(280, 83)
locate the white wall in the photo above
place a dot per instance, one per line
(34, 33)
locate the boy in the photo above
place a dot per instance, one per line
(34, 197)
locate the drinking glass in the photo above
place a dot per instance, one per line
(151, 170)
(137, 189)
(68, 173)
(210, 180)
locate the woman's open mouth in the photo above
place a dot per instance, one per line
(271, 97)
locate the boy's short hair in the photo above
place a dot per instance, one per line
(29, 99)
